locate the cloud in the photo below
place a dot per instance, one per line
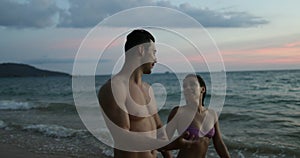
(293, 44)
(32, 13)
(90, 14)
(85, 14)
(63, 61)
(50, 61)
(211, 18)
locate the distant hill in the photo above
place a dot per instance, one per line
(23, 70)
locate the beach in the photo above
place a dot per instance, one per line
(8, 150)
(12, 144)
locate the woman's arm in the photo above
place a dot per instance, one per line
(219, 144)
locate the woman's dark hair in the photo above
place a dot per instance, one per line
(137, 37)
(201, 83)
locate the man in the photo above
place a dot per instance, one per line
(129, 103)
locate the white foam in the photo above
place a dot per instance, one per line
(15, 105)
(53, 130)
(2, 124)
(108, 151)
(240, 155)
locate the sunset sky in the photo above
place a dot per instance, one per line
(251, 35)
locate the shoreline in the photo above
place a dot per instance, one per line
(10, 150)
(18, 144)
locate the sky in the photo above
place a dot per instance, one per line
(249, 35)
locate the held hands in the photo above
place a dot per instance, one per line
(186, 140)
(180, 142)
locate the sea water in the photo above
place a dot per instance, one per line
(260, 116)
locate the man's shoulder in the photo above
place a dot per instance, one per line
(106, 86)
(112, 92)
(145, 84)
(114, 81)
(115, 84)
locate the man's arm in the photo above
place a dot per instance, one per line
(161, 132)
(112, 97)
(162, 135)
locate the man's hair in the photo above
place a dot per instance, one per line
(137, 37)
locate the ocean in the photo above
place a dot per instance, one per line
(260, 117)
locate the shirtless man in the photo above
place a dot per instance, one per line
(129, 103)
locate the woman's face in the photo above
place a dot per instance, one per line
(191, 87)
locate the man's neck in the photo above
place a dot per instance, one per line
(134, 76)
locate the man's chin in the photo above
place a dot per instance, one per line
(148, 72)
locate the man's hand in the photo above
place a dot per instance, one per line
(181, 142)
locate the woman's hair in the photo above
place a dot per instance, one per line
(201, 83)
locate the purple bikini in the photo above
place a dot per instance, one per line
(194, 131)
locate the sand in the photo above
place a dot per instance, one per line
(9, 151)
(13, 151)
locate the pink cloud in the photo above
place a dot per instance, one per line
(281, 60)
(91, 44)
(284, 54)
(67, 44)
(278, 51)
(293, 44)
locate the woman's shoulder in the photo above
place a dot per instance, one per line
(213, 113)
(179, 108)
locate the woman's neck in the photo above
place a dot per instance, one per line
(201, 108)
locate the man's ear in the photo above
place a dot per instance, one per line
(141, 49)
(203, 89)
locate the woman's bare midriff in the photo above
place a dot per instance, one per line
(125, 154)
(197, 150)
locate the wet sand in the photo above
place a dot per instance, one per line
(9, 150)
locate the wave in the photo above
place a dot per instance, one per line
(24, 105)
(54, 130)
(58, 107)
(2, 124)
(241, 148)
(258, 149)
(235, 117)
(16, 105)
(295, 135)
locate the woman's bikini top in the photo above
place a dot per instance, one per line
(194, 131)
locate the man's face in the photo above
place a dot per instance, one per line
(149, 58)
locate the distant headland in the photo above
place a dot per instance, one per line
(24, 70)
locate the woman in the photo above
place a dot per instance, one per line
(200, 123)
